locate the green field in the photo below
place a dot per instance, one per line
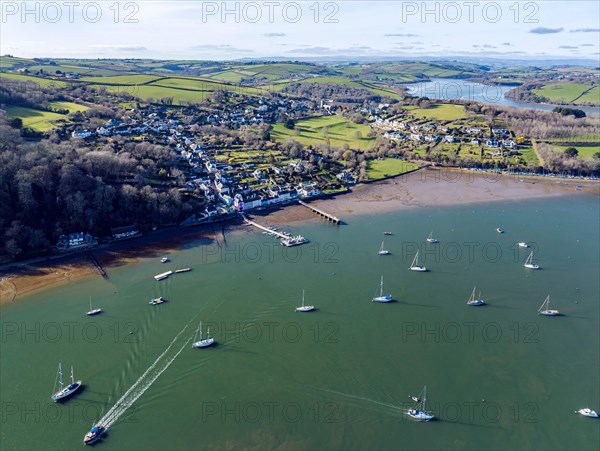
(442, 112)
(7, 62)
(40, 120)
(592, 97)
(568, 93)
(584, 151)
(377, 169)
(40, 81)
(122, 79)
(37, 120)
(340, 131)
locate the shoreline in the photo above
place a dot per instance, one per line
(430, 187)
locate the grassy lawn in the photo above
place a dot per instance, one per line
(442, 112)
(529, 155)
(378, 169)
(340, 131)
(562, 92)
(37, 120)
(584, 151)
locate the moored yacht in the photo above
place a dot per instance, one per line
(64, 392)
(546, 310)
(382, 297)
(431, 239)
(529, 262)
(414, 266)
(93, 311)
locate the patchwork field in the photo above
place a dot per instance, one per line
(340, 131)
(570, 93)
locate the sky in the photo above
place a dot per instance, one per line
(299, 29)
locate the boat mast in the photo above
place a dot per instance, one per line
(90, 303)
(381, 291)
(60, 382)
(302, 298)
(72, 378)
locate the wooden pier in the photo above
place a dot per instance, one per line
(321, 213)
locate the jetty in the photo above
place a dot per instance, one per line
(97, 265)
(321, 213)
(163, 275)
(286, 239)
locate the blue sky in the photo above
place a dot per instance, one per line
(230, 30)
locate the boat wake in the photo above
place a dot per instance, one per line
(145, 381)
(393, 408)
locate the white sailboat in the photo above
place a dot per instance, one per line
(419, 411)
(63, 391)
(545, 308)
(473, 301)
(523, 244)
(415, 264)
(431, 239)
(529, 262)
(382, 297)
(202, 343)
(587, 412)
(304, 308)
(382, 250)
(93, 311)
(499, 230)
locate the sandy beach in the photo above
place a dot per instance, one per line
(431, 188)
(425, 188)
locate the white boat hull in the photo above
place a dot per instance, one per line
(550, 313)
(387, 298)
(432, 240)
(418, 268)
(419, 415)
(588, 413)
(94, 312)
(204, 343)
(531, 266)
(305, 308)
(384, 252)
(476, 303)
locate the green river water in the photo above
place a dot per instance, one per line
(498, 376)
